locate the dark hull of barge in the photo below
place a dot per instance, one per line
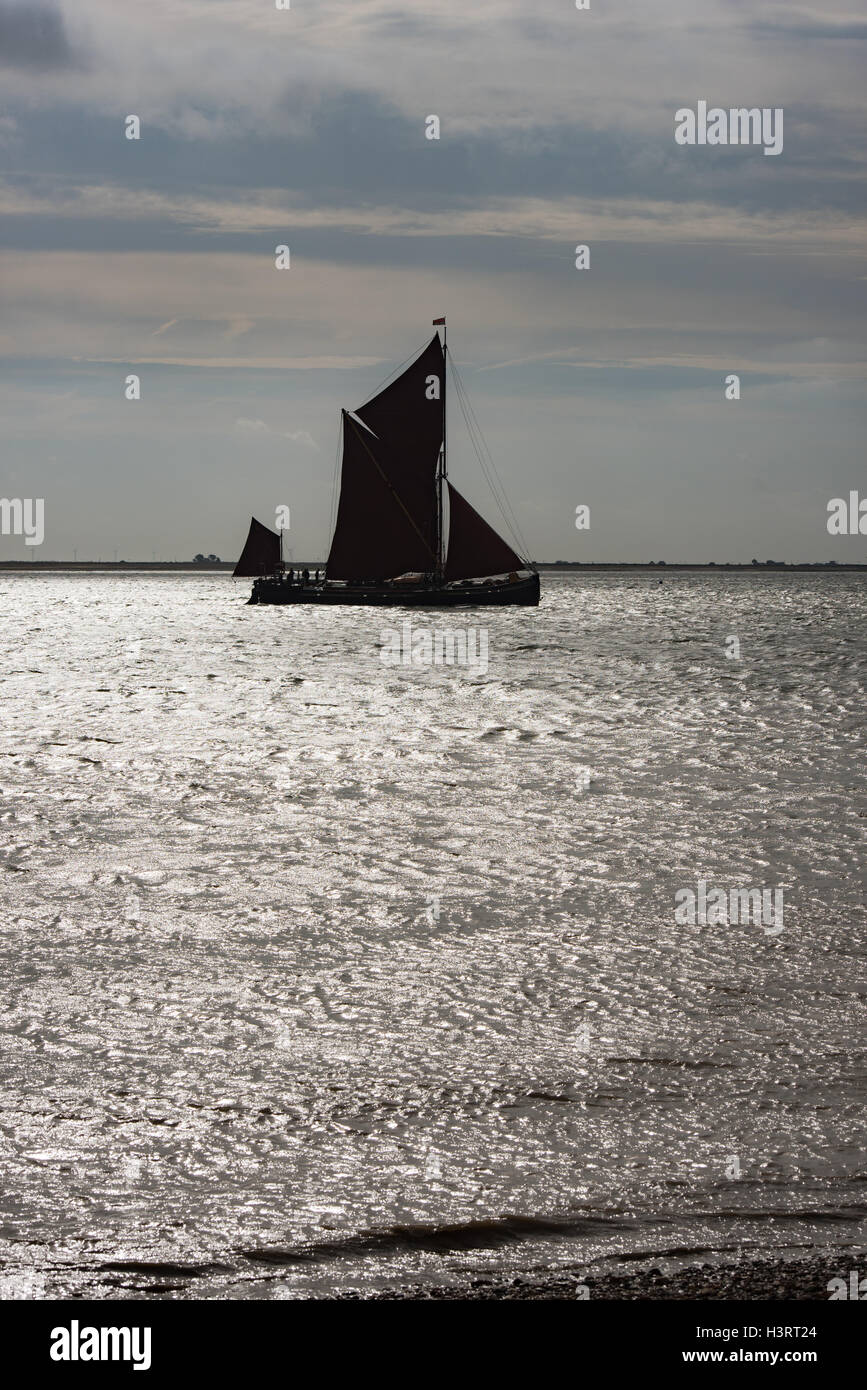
(524, 592)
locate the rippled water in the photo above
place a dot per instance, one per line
(322, 974)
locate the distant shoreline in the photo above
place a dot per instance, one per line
(652, 566)
(548, 566)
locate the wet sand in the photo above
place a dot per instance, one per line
(759, 1279)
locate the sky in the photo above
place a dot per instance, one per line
(602, 387)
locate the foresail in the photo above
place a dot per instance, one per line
(475, 549)
(261, 553)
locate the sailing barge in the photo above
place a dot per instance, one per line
(389, 546)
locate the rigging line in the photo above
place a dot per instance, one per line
(504, 506)
(388, 483)
(376, 390)
(477, 439)
(494, 482)
(335, 488)
(489, 469)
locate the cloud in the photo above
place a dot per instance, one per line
(48, 216)
(307, 127)
(801, 26)
(259, 427)
(33, 35)
(273, 364)
(302, 437)
(343, 314)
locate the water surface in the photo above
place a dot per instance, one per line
(319, 974)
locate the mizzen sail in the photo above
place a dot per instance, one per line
(261, 553)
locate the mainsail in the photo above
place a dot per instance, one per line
(261, 553)
(387, 516)
(379, 532)
(475, 549)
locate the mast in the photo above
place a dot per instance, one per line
(442, 472)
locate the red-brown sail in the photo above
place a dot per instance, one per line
(261, 553)
(381, 529)
(407, 419)
(407, 415)
(475, 549)
(387, 516)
